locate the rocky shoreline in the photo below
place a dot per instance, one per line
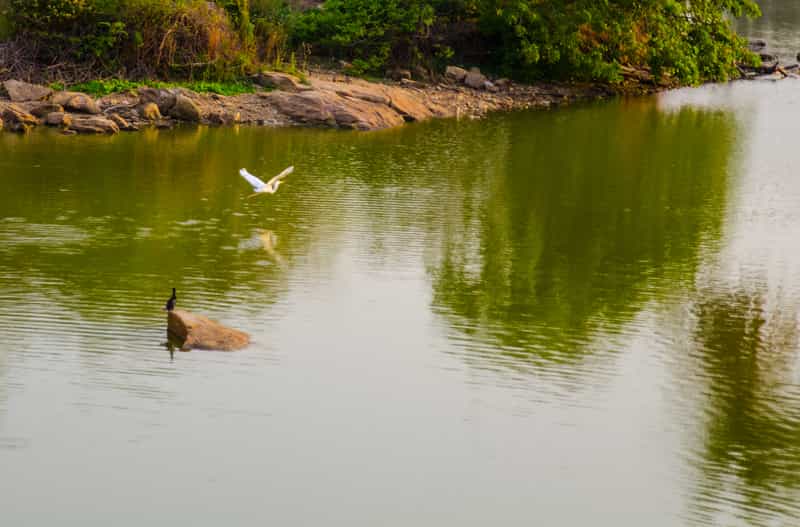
(325, 99)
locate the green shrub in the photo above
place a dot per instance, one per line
(529, 39)
(371, 33)
(176, 38)
(689, 42)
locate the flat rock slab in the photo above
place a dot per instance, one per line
(199, 332)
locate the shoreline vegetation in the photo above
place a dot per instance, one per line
(100, 66)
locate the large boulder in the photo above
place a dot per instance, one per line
(199, 332)
(411, 107)
(93, 125)
(46, 108)
(61, 119)
(19, 91)
(150, 111)
(16, 118)
(280, 81)
(164, 99)
(324, 108)
(475, 79)
(76, 102)
(185, 109)
(455, 73)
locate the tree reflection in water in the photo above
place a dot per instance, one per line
(590, 214)
(746, 344)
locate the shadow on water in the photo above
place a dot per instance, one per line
(561, 243)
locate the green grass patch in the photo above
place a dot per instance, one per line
(99, 88)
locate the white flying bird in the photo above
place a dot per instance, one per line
(270, 187)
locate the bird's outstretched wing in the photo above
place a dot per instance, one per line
(254, 181)
(281, 175)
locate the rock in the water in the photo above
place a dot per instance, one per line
(58, 119)
(94, 125)
(475, 80)
(150, 111)
(46, 108)
(19, 91)
(757, 44)
(185, 109)
(455, 73)
(76, 102)
(123, 123)
(199, 332)
(164, 99)
(280, 81)
(17, 119)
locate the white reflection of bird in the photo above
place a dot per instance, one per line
(270, 187)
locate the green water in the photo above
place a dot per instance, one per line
(585, 316)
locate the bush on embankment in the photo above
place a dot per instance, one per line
(131, 38)
(689, 42)
(580, 39)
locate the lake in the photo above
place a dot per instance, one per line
(584, 316)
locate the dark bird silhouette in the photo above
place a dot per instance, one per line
(171, 302)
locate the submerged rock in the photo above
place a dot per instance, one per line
(199, 332)
(19, 91)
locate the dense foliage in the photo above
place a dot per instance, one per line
(580, 39)
(588, 39)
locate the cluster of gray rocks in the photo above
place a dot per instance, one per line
(771, 67)
(475, 79)
(30, 105)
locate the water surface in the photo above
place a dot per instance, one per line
(577, 317)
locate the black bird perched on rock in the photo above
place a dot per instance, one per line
(171, 302)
